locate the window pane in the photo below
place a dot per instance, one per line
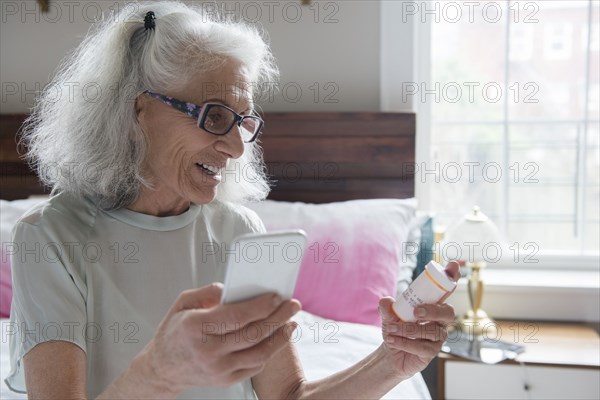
(466, 73)
(468, 172)
(549, 83)
(543, 202)
(543, 235)
(542, 153)
(468, 133)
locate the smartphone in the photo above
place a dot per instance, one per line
(263, 263)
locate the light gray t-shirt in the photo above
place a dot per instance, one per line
(104, 280)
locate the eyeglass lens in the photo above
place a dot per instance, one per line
(219, 120)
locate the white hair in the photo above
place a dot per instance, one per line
(87, 141)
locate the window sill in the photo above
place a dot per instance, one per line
(536, 295)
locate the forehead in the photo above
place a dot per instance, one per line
(230, 83)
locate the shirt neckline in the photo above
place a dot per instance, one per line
(154, 223)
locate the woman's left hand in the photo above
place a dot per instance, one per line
(410, 346)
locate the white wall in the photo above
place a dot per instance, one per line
(333, 44)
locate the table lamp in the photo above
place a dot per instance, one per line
(474, 236)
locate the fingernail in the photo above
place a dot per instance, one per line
(392, 328)
(420, 312)
(295, 307)
(277, 300)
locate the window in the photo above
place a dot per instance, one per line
(513, 124)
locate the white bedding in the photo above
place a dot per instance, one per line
(325, 347)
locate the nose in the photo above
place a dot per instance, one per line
(231, 143)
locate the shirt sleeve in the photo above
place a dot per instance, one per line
(48, 297)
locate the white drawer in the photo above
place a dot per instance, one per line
(467, 380)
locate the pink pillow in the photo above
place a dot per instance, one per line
(5, 286)
(354, 254)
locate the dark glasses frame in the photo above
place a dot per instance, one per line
(201, 112)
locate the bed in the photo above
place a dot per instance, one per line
(333, 167)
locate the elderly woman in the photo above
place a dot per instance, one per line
(113, 295)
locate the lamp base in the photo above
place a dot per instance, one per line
(477, 324)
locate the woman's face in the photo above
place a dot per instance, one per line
(177, 147)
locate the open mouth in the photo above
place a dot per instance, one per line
(209, 169)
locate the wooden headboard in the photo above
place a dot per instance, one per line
(312, 157)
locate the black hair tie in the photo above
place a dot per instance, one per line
(149, 20)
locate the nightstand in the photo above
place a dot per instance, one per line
(560, 361)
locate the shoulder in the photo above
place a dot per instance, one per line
(63, 212)
(241, 218)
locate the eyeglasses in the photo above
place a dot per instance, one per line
(215, 118)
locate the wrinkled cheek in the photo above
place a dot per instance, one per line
(185, 178)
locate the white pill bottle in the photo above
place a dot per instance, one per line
(432, 286)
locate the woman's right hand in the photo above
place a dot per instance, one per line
(203, 343)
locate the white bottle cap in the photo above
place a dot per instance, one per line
(438, 276)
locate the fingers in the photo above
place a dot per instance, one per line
(424, 312)
(197, 317)
(385, 310)
(236, 315)
(435, 316)
(266, 309)
(248, 363)
(432, 331)
(453, 270)
(258, 354)
(205, 297)
(435, 312)
(252, 333)
(420, 348)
